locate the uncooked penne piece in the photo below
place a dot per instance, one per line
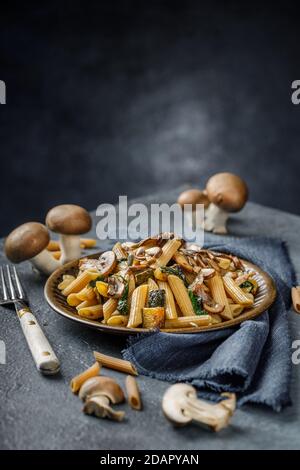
(53, 245)
(236, 293)
(170, 307)
(181, 295)
(77, 381)
(133, 393)
(108, 308)
(80, 282)
(168, 250)
(186, 322)
(94, 312)
(56, 254)
(219, 295)
(118, 320)
(87, 243)
(115, 363)
(87, 293)
(119, 251)
(138, 302)
(236, 309)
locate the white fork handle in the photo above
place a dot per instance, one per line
(42, 353)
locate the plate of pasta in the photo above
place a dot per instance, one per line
(161, 282)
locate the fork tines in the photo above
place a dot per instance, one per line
(12, 289)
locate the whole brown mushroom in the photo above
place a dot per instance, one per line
(29, 242)
(69, 221)
(226, 193)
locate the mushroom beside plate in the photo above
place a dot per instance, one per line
(263, 300)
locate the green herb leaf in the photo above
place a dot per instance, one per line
(197, 304)
(176, 271)
(247, 285)
(123, 306)
(157, 298)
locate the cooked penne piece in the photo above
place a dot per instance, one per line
(160, 275)
(236, 293)
(115, 363)
(108, 308)
(66, 281)
(236, 309)
(77, 381)
(118, 320)
(219, 295)
(224, 263)
(168, 250)
(119, 251)
(73, 300)
(87, 303)
(181, 295)
(180, 259)
(131, 287)
(153, 317)
(186, 322)
(138, 302)
(87, 243)
(170, 307)
(93, 313)
(152, 284)
(215, 318)
(133, 393)
(87, 293)
(80, 282)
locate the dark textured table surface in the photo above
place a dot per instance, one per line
(41, 412)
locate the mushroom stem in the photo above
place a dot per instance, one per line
(70, 248)
(215, 219)
(216, 416)
(98, 405)
(44, 262)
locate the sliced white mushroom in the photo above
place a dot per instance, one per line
(69, 221)
(181, 406)
(98, 393)
(226, 193)
(29, 242)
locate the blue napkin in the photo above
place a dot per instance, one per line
(253, 359)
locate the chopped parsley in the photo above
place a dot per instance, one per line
(175, 270)
(197, 304)
(123, 306)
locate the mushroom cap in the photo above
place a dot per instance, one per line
(69, 219)
(193, 196)
(175, 400)
(227, 191)
(26, 241)
(101, 385)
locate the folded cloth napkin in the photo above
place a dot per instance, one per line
(253, 359)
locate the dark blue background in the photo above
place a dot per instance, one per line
(129, 97)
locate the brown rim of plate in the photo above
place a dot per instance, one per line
(264, 299)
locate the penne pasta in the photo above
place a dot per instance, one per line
(133, 393)
(219, 295)
(80, 282)
(87, 293)
(138, 302)
(152, 284)
(73, 300)
(108, 308)
(115, 363)
(66, 281)
(170, 307)
(93, 312)
(53, 245)
(187, 322)
(181, 295)
(77, 381)
(236, 309)
(119, 251)
(168, 251)
(87, 303)
(56, 254)
(102, 288)
(118, 320)
(86, 243)
(236, 293)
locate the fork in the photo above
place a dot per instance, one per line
(14, 294)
